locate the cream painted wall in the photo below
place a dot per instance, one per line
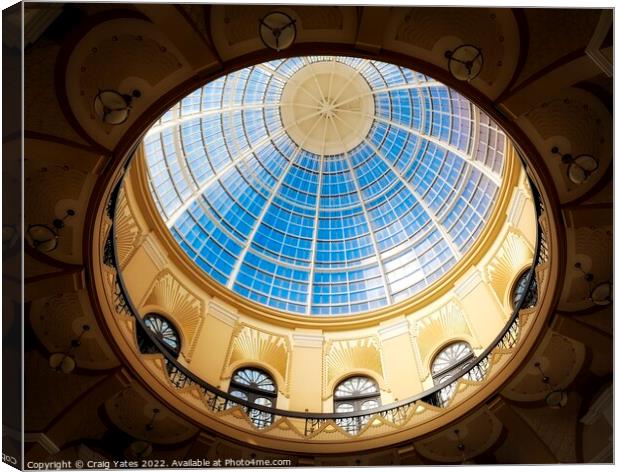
(486, 316)
(212, 344)
(401, 369)
(139, 274)
(306, 370)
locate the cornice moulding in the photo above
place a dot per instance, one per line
(469, 283)
(308, 340)
(222, 313)
(393, 330)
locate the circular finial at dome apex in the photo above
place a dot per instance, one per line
(327, 107)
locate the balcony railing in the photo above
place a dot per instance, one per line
(352, 423)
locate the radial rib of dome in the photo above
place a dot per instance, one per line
(325, 185)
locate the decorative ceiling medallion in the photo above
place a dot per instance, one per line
(327, 108)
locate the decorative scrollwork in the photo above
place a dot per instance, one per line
(109, 258)
(111, 206)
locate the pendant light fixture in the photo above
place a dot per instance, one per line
(44, 237)
(599, 294)
(277, 30)
(112, 107)
(556, 398)
(465, 62)
(579, 168)
(143, 448)
(64, 362)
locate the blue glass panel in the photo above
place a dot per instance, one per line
(325, 235)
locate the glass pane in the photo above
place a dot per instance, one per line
(519, 292)
(239, 394)
(164, 331)
(344, 408)
(451, 356)
(263, 401)
(255, 379)
(369, 405)
(356, 386)
(285, 222)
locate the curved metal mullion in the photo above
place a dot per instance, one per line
(275, 73)
(315, 230)
(438, 224)
(349, 80)
(386, 285)
(496, 179)
(431, 215)
(201, 114)
(255, 390)
(390, 88)
(259, 219)
(217, 175)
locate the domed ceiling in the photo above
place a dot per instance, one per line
(325, 185)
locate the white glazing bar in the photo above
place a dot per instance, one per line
(220, 172)
(496, 179)
(488, 172)
(316, 81)
(180, 155)
(201, 114)
(364, 65)
(391, 88)
(438, 224)
(315, 232)
(259, 220)
(315, 229)
(275, 73)
(257, 223)
(386, 286)
(431, 215)
(218, 175)
(468, 170)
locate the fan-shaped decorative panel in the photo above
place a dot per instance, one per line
(350, 355)
(127, 231)
(514, 254)
(449, 322)
(250, 344)
(177, 302)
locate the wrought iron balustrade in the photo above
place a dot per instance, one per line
(353, 423)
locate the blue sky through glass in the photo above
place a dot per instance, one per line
(318, 234)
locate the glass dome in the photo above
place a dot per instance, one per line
(325, 185)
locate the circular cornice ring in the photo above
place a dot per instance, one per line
(115, 168)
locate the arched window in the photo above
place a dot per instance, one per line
(255, 386)
(519, 289)
(165, 333)
(450, 360)
(355, 394)
(447, 363)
